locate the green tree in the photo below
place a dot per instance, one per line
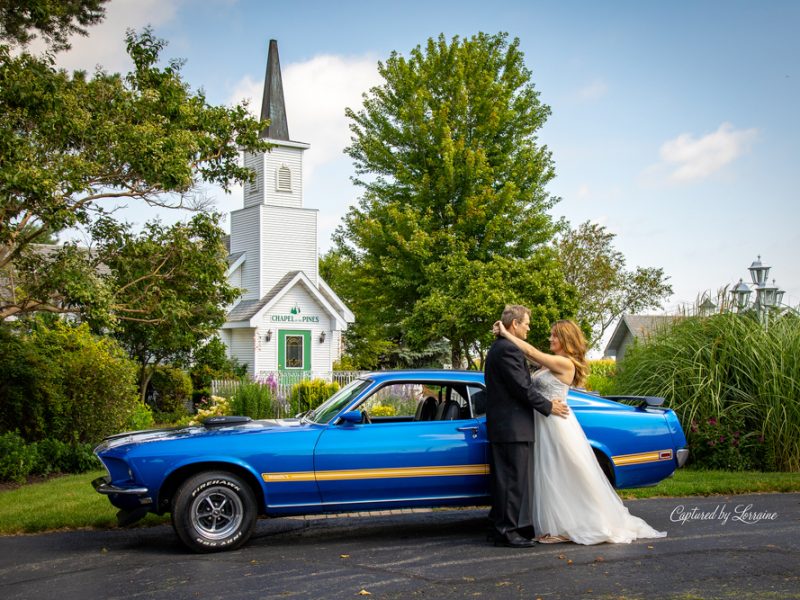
(454, 201)
(72, 146)
(62, 382)
(170, 286)
(606, 290)
(53, 20)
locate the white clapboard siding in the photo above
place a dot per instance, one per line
(291, 158)
(243, 346)
(289, 244)
(254, 192)
(245, 233)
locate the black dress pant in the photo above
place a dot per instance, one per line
(511, 480)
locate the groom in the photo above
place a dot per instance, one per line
(511, 401)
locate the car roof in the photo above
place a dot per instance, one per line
(428, 375)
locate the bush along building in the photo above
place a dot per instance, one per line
(288, 320)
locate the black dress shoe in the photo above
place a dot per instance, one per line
(514, 540)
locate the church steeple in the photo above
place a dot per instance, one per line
(273, 108)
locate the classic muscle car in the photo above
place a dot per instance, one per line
(392, 439)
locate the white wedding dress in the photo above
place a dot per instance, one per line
(572, 496)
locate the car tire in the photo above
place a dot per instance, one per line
(605, 465)
(214, 511)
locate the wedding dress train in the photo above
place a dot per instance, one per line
(572, 496)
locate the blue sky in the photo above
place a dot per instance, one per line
(674, 124)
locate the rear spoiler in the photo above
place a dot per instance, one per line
(644, 401)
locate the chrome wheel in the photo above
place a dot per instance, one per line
(217, 512)
(214, 511)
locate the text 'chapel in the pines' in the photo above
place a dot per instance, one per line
(287, 319)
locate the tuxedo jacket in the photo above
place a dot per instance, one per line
(511, 398)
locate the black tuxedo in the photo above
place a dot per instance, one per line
(511, 401)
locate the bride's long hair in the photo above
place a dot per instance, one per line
(573, 344)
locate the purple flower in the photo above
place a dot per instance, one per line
(721, 439)
(712, 443)
(712, 421)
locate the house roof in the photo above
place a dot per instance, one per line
(247, 309)
(247, 312)
(639, 326)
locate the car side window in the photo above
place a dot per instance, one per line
(418, 401)
(477, 396)
(395, 402)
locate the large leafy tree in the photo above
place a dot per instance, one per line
(606, 290)
(453, 220)
(170, 285)
(72, 146)
(54, 20)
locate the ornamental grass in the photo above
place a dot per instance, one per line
(733, 380)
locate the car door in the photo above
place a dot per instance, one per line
(398, 457)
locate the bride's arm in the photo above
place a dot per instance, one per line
(558, 365)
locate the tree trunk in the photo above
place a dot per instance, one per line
(144, 378)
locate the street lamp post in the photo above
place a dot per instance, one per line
(768, 296)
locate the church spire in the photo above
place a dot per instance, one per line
(273, 107)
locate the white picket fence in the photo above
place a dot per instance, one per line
(283, 381)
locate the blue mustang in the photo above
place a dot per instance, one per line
(393, 439)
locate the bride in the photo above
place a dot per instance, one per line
(573, 500)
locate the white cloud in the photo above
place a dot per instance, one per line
(593, 91)
(690, 159)
(105, 44)
(316, 93)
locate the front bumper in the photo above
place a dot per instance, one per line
(103, 485)
(682, 456)
(133, 501)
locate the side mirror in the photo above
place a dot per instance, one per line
(352, 417)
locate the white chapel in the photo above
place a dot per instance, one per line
(287, 319)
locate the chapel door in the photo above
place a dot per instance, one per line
(294, 351)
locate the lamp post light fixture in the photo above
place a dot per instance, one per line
(767, 296)
(707, 307)
(741, 295)
(759, 272)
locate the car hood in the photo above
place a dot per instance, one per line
(197, 431)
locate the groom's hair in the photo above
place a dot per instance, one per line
(514, 311)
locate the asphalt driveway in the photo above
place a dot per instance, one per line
(717, 547)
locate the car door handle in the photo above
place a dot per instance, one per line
(471, 428)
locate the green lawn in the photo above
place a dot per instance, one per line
(69, 502)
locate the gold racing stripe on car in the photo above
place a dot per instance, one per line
(642, 457)
(386, 473)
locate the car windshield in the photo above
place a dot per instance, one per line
(333, 405)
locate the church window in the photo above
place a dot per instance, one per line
(294, 351)
(284, 179)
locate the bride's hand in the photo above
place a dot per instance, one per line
(499, 329)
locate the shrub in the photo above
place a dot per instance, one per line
(215, 406)
(726, 371)
(253, 399)
(141, 417)
(170, 390)
(382, 410)
(65, 383)
(309, 394)
(601, 378)
(17, 459)
(211, 362)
